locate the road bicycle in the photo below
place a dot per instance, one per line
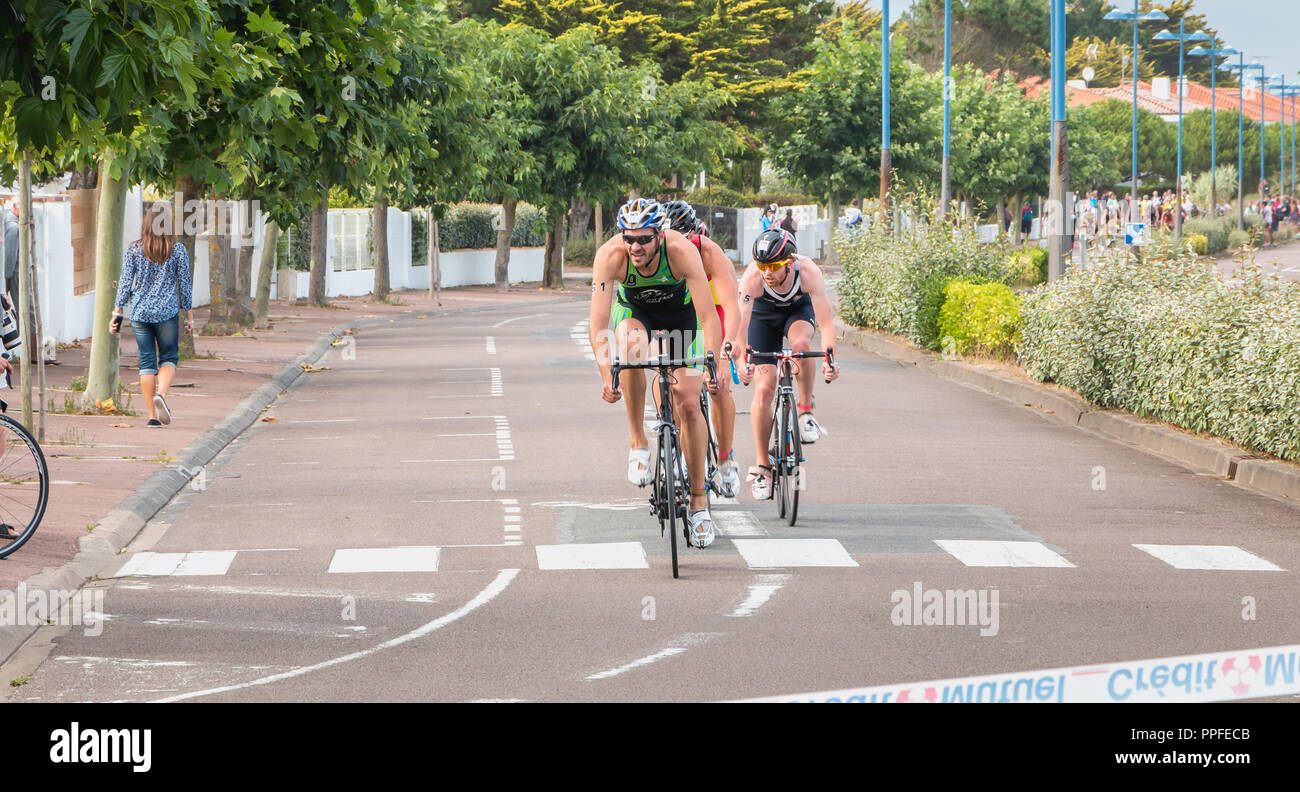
(24, 484)
(712, 482)
(786, 448)
(670, 492)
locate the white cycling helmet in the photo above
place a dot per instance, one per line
(641, 213)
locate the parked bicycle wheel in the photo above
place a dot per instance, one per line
(24, 485)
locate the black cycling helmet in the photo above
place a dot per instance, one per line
(681, 216)
(774, 244)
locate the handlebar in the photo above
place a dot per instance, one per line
(661, 364)
(774, 357)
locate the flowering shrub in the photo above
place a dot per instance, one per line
(1171, 340)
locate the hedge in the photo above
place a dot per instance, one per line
(473, 226)
(894, 283)
(983, 318)
(1172, 340)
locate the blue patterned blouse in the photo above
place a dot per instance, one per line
(154, 285)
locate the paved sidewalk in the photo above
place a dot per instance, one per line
(97, 461)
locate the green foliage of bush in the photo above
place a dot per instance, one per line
(1174, 341)
(1238, 239)
(581, 252)
(1197, 243)
(784, 199)
(1216, 231)
(983, 318)
(1027, 266)
(721, 195)
(934, 292)
(894, 283)
(473, 227)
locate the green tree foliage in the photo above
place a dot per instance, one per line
(1086, 21)
(1111, 61)
(1113, 120)
(833, 144)
(988, 34)
(999, 148)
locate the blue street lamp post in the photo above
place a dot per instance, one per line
(1181, 37)
(885, 163)
(1059, 186)
(945, 185)
(1284, 91)
(1240, 67)
(1152, 16)
(1213, 52)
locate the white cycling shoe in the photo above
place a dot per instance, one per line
(701, 528)
(638, 466)
(728, 478)
(760, 482)
(809, 430)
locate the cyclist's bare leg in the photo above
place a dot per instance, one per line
(724, 414)
(760, 411)
(800, 335)
(694, 434)
(631, 336)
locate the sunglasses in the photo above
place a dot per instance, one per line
(771, 266)
(639, 240)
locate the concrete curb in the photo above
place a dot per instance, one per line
(121, 525)
(1267, 476)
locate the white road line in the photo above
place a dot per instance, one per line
(468, 434)
(1225, 557)
(760, 593)
(472, 459)
(385, 559)
(491, 345)
(205, 562)
(773, 553)
(680, 644)
(517, 318)
(981, 553)
(605, 555)
(493, 589)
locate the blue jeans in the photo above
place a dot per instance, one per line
(158, 343)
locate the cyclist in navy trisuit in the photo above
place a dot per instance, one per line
(782, 295)
(661, 285)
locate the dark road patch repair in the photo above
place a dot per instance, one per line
(869, 529)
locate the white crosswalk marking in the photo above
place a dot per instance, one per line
(980, 553)
(385, 559)
(737, 523)
(606, 555)
(203, 562)
(1222, 557)
(774, 553)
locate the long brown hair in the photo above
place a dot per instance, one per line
(156, 244)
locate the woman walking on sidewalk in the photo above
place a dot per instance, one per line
(154, 271)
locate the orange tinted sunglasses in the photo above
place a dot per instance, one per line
(772, 266)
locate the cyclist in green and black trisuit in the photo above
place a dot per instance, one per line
(660, 284)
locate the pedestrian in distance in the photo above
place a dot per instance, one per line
(155, 280)
(10, 222)
(852, 215)
(789, 223)
(769, 217)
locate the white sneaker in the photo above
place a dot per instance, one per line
(728, 478)
(638, 466)
(809, 429)
(701, 528)
(760, 483)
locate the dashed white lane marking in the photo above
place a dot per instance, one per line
(605, 555)
(981, 553)
(1226, 557)
(680, 644)
(760, 593)
(517, 318)
(776, 553)
(736, 523)
(578, 333)
(204, 562)
(491, 345)
(468, 434)
(385, 559)
(493, 589)
(724, 501)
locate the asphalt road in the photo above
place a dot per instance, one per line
(408, 526)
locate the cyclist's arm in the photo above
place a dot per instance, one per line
(685, 262)
(750, 289)
(814, 285)
(723, 271)
(604, 282)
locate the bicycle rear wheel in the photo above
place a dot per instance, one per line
(24, 485)
(668, 463)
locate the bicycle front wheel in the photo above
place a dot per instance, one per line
(780, 477)
(793, 458)
(711, 464)
(668, 463)
(24, 485)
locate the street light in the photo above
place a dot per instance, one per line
(1289, 92)
(1059, 185)
(1214, 53)
(1279, 81)
(945, 186)
(1180, 37)
(885, 163)
(1240, 67)
(1150, 16)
